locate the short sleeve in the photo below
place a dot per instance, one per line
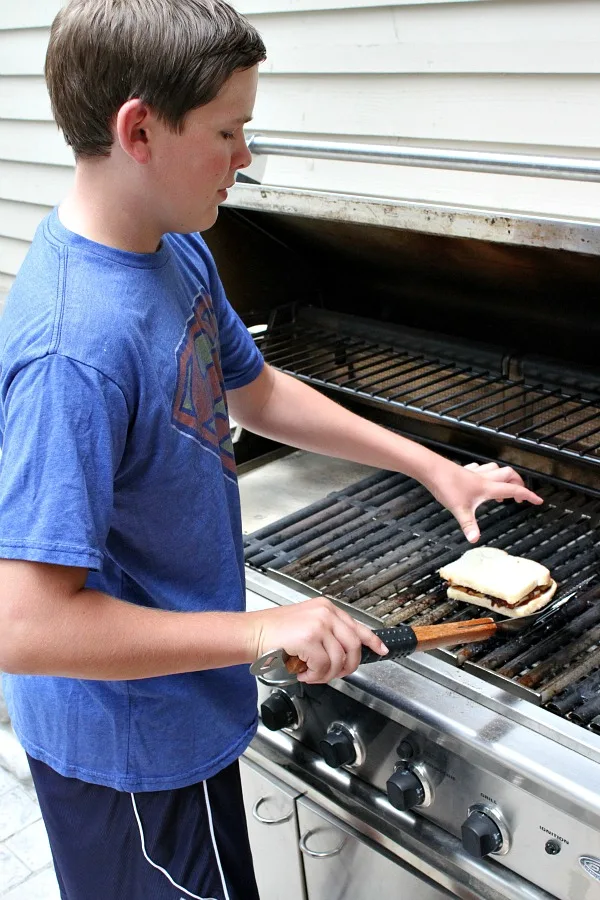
(241, 360)
(64, 431)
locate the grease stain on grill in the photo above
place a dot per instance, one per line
(378, 544)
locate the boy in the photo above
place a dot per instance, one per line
(122, 620)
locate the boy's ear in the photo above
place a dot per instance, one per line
(131, 124)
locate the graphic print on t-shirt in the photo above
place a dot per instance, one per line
(199, 407)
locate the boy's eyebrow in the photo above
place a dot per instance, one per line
(243, 120)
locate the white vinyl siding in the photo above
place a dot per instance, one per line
(505, 75)
(442, 109)
(24, 98)
(252, 7)
(22, 51)
(35, 165)
(501, 37)
(28, 14)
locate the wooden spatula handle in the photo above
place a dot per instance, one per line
(431, 637)
(403, 640)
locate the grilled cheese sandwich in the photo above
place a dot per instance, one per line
(492, 578)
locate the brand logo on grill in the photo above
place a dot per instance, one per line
(591, 865)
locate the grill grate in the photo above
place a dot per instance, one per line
(377, 545)
(437, 380)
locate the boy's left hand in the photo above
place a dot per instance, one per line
(462, 489)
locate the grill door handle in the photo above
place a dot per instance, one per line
(318, 854)
(262, 820)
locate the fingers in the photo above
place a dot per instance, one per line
(481, 467)
(496, 483)
(369, 639)
(366, 639)
(337, 651)
(467, 521)
(504, 474)
(494, 472)
(328, 661)
(494, 490)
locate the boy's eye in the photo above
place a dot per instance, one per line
(228, 135)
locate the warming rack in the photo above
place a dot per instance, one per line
(477, 389)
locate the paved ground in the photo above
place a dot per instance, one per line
(25, 863)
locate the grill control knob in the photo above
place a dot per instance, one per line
(341, 747)
(337, 749)
(279, 711)
(405, 790)
(481, 835)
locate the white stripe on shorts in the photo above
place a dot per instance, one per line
(164, 871)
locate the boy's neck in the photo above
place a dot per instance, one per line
(109, 208)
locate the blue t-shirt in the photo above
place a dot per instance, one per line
(117, 457)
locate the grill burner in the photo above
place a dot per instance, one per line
(377, 545)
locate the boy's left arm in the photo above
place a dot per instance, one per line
(280, 407)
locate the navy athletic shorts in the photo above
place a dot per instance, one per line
(161, 845)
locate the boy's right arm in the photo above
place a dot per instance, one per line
(51, 624)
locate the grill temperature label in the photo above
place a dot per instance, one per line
(590, 865)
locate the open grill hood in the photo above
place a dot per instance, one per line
(479, 331)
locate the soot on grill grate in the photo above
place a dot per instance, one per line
(377, 545)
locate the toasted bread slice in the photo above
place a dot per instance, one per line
(497, 580)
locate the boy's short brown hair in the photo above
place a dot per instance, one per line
(175, 55)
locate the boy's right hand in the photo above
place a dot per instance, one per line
(325, 637)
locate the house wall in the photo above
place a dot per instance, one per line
(503, 75)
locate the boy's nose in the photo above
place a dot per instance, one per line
(244, 158)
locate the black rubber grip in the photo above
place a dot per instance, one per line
(400, 641)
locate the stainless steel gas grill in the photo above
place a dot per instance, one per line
(473, 771)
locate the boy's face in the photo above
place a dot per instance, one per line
(189, 173)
